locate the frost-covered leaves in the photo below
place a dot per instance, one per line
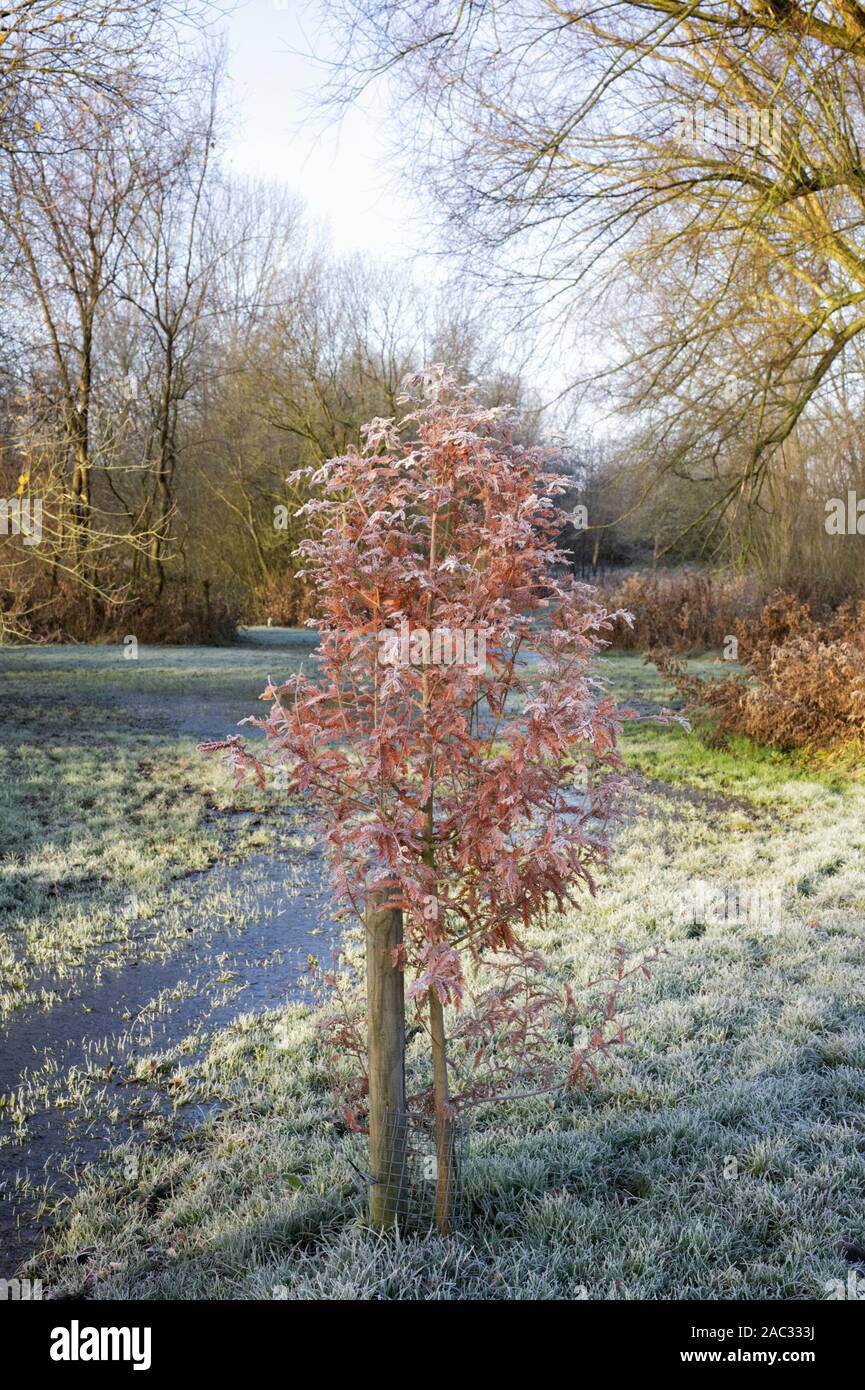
(453, 777)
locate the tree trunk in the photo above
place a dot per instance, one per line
(386, 1050)
(80, 496)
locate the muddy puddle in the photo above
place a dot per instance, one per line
(74, 1065)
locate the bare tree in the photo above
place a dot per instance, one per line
(67, 215)
(173, 253)
(694, 169)
(108, 51)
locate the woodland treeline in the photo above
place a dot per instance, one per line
(175, 342)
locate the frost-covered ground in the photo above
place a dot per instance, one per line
(721, 1158)
(143, 900)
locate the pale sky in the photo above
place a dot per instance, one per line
(345, 171)
(341, 170)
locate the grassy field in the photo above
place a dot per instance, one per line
(721, 1157)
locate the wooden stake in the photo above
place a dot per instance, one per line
(386, 1050)
(443, 1121)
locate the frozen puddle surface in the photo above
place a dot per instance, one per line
(76, 1072)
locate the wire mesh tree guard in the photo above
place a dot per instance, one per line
(408, 1172)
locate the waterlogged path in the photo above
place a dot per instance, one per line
(79, 1055)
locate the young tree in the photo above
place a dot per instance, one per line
(457, 701)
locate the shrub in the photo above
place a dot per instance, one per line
(804, 680)
(60, 613)
(285, 598)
